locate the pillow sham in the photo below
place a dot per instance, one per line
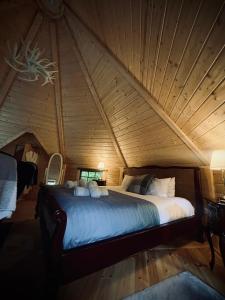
(159, 187)
(140, 184)
(126, 182)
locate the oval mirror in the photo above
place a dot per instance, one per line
(54, 169)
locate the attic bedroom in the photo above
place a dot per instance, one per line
(112, 149)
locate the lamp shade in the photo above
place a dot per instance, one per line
(218, 160)
(101, 165)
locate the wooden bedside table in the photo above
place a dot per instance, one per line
(101, 182)
(215, 224)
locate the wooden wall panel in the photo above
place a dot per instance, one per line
(28, 138)
(87, 141)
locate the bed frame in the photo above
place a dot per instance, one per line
(68, 265)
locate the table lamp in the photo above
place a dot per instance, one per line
(218, 163)
(101, 167)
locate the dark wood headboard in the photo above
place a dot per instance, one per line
(188, 183)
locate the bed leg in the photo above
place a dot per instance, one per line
(200, 236)
(52, 283)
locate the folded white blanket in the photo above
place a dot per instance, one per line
(70, 184)
(92, 183)
(81, 191)
(92, 190)
(104, 191)
(95, 191)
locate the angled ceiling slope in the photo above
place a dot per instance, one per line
(105, 104)
(176, 51)
(87, 140)
(144, 132)
(29, 107)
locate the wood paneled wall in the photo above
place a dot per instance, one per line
(87, 141)
(219, 183)
(29, 138)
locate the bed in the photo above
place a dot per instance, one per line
(71, 261)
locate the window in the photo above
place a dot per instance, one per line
(90, 174)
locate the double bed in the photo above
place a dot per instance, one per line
(83, 234)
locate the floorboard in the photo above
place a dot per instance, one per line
(21, 264)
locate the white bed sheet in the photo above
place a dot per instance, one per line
(169, 209)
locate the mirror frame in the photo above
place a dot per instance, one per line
(61, 168)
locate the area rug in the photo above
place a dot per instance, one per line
(183, 286)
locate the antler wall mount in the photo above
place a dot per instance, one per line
(28, 62)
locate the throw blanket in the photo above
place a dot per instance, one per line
(93, 219)
(8, 185)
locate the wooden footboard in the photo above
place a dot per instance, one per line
(53, 224)
(84, 260)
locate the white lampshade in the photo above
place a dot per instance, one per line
(101, 165)
(218, 160)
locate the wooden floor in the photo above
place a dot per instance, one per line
(141, 270)
(145, 269)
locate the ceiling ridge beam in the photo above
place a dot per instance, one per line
(57, 86)
(139, 87)
(95, 94)
(32, 32)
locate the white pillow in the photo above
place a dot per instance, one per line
(159, 187)
(126, 182)
(171, 187)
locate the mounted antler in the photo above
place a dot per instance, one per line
(30, 65)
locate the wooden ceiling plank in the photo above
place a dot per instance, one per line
(180, 102)
(138, 86)
(95, 94)
(171, 24)
(33, 30)
(57, 87)
(167, 104)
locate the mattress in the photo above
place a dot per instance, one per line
(169, 209)
(90, 220)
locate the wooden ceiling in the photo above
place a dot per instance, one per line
(139, 82)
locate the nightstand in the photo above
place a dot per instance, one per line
(215, 224)
(101, 182)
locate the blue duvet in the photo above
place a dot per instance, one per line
(90, 219)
